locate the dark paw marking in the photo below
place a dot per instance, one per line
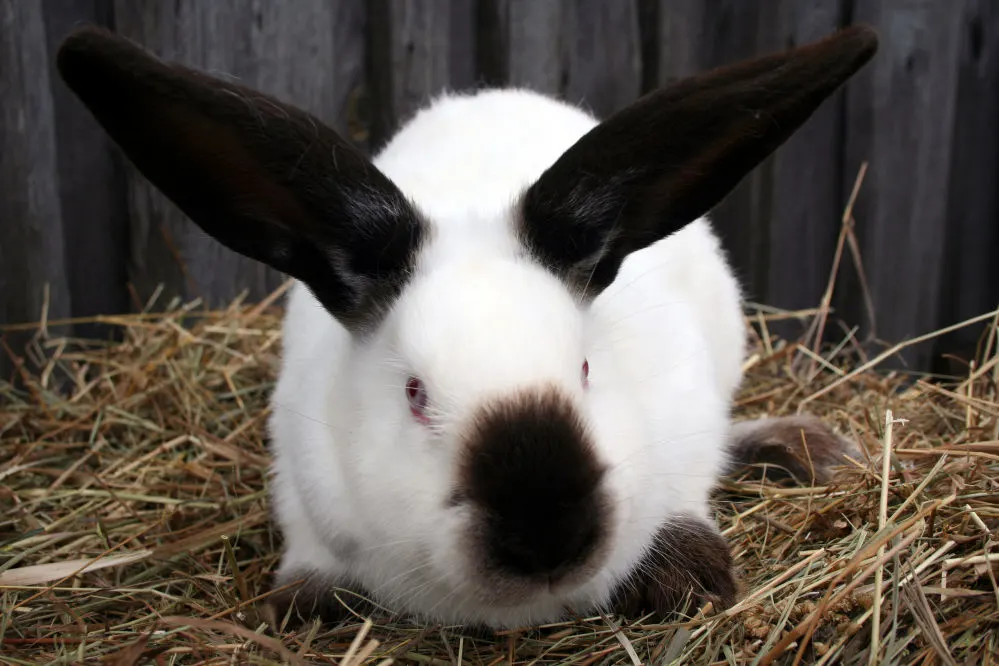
(689, 565)
(801, 447)
(314, 597)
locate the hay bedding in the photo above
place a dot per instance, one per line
(135, 523)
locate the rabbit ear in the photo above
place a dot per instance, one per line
(265, 179)
(664, 161)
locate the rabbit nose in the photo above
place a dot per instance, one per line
(531, 472)
(546, 548)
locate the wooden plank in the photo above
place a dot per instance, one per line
(409, 59)
(971, 272)
(534, 37)
(31, 241)
(91, 185)
(312, 57)
(900, 117)
(314, 60)
(807, 199)
(587, 52)
(604, 55)
(462, 45)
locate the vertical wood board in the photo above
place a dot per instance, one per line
(91, 183)
(901, 119)
(31, 241)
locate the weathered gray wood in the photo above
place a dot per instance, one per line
(410, 57)
(604, 57)
(901, 119)
(587, 52)
(31, 241)
(534, 42)
(91, 184)
(971, 272)
(807, 181)
(310, 55)
(462, 46)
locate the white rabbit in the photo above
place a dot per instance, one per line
(510, 358)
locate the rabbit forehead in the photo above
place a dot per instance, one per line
(483, 323)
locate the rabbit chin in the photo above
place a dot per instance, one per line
(513, 605)
(455, 588)
(441, 577)
(450, 580)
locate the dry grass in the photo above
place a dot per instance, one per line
(135, 522)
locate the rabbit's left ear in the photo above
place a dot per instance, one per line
(264, 178)
(666, 160)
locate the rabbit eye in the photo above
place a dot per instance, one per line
(417, 394)
(586, 373)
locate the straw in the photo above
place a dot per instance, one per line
(136, 527)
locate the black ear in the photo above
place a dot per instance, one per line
(667, 159)
(265, 179)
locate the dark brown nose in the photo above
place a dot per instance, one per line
(530, 470)
(546, 546)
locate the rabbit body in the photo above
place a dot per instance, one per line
(509, 363)
(360, 490)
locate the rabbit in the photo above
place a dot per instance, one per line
(514, 339)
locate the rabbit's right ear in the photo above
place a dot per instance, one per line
(265, 179)
(666, 160)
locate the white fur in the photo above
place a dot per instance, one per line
(665, 343)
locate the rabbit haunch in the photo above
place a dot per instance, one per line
(511, 353)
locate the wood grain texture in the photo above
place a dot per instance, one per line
(534, 44)
(604, 55)
(807, 180)
(971, 272)
(31, 241)
(91, 184)
(587, 52)
(463, 45)
(901, 119)
(409, 59)
(312, 57)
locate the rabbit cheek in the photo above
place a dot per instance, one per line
(540, 518)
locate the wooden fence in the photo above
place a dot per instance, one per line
(82, 233)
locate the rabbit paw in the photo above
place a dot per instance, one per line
(689, 565)
(802, 447)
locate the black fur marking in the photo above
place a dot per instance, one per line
(265, 179)
(667, 159)
(530, 470)
(689, 565)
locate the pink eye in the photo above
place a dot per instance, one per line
(586, 373)
(417, 395)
